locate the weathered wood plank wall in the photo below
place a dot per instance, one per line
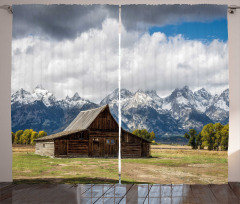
(45, 148)
(104, 121)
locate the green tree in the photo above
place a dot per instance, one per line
(191, 136)
(208, 136)
(34, 136)
(42, 134)
(218, 135)
(26, 136)
(18, 137)
(225, 136)
(13, 137)
(199, 141)
(150, 136)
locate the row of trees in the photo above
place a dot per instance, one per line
(27, 136)
(212, 136)
(144, 134)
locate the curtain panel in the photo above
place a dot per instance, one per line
(85, 76)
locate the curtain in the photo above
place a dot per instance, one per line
(65, 61)
(174, 80)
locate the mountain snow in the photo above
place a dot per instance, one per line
(23, 97)
(181, 110)
(41, 110)
(40, 94)
(174, 114)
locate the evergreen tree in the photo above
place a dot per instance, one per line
(191, 136)
(192, 142)
(187, 136)
(199, 141)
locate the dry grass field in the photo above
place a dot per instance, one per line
(168, 164)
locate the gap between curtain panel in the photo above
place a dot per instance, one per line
(119, 96)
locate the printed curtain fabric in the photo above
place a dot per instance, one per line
(65, 61)
(174, 68)
(65, 90)
(175, 87)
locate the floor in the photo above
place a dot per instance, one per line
(126, 193)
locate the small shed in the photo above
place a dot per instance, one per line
(93, 133)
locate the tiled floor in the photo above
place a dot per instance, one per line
(107, 193)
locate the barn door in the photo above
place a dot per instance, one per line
(110, 148)
(96, 148)
(144, 150)
(60, 147)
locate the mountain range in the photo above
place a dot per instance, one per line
(175, 114)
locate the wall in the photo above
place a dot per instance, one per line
(45, 148)
(5, 93)
(122, 2)
(5, 76)
(234, 85)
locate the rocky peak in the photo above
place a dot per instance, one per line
(114, 96)
(67, 98)
(22, 96)
(203, 93)
(21, 92)
(76, 97)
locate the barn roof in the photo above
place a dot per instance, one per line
(58, 135)
(85, 118)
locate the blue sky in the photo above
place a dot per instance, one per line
(203, 31)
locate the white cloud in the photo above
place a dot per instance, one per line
(163, 64)
(60, 22)
(89, 63)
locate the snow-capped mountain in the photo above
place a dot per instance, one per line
(41, 110)
(113, 97)
(203, 100)
(218, 111)
(174, 114)
(74, 101)
(23, 97)
(39, 94)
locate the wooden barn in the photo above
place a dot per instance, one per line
(93, 133)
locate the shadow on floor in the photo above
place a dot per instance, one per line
(75, 180)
